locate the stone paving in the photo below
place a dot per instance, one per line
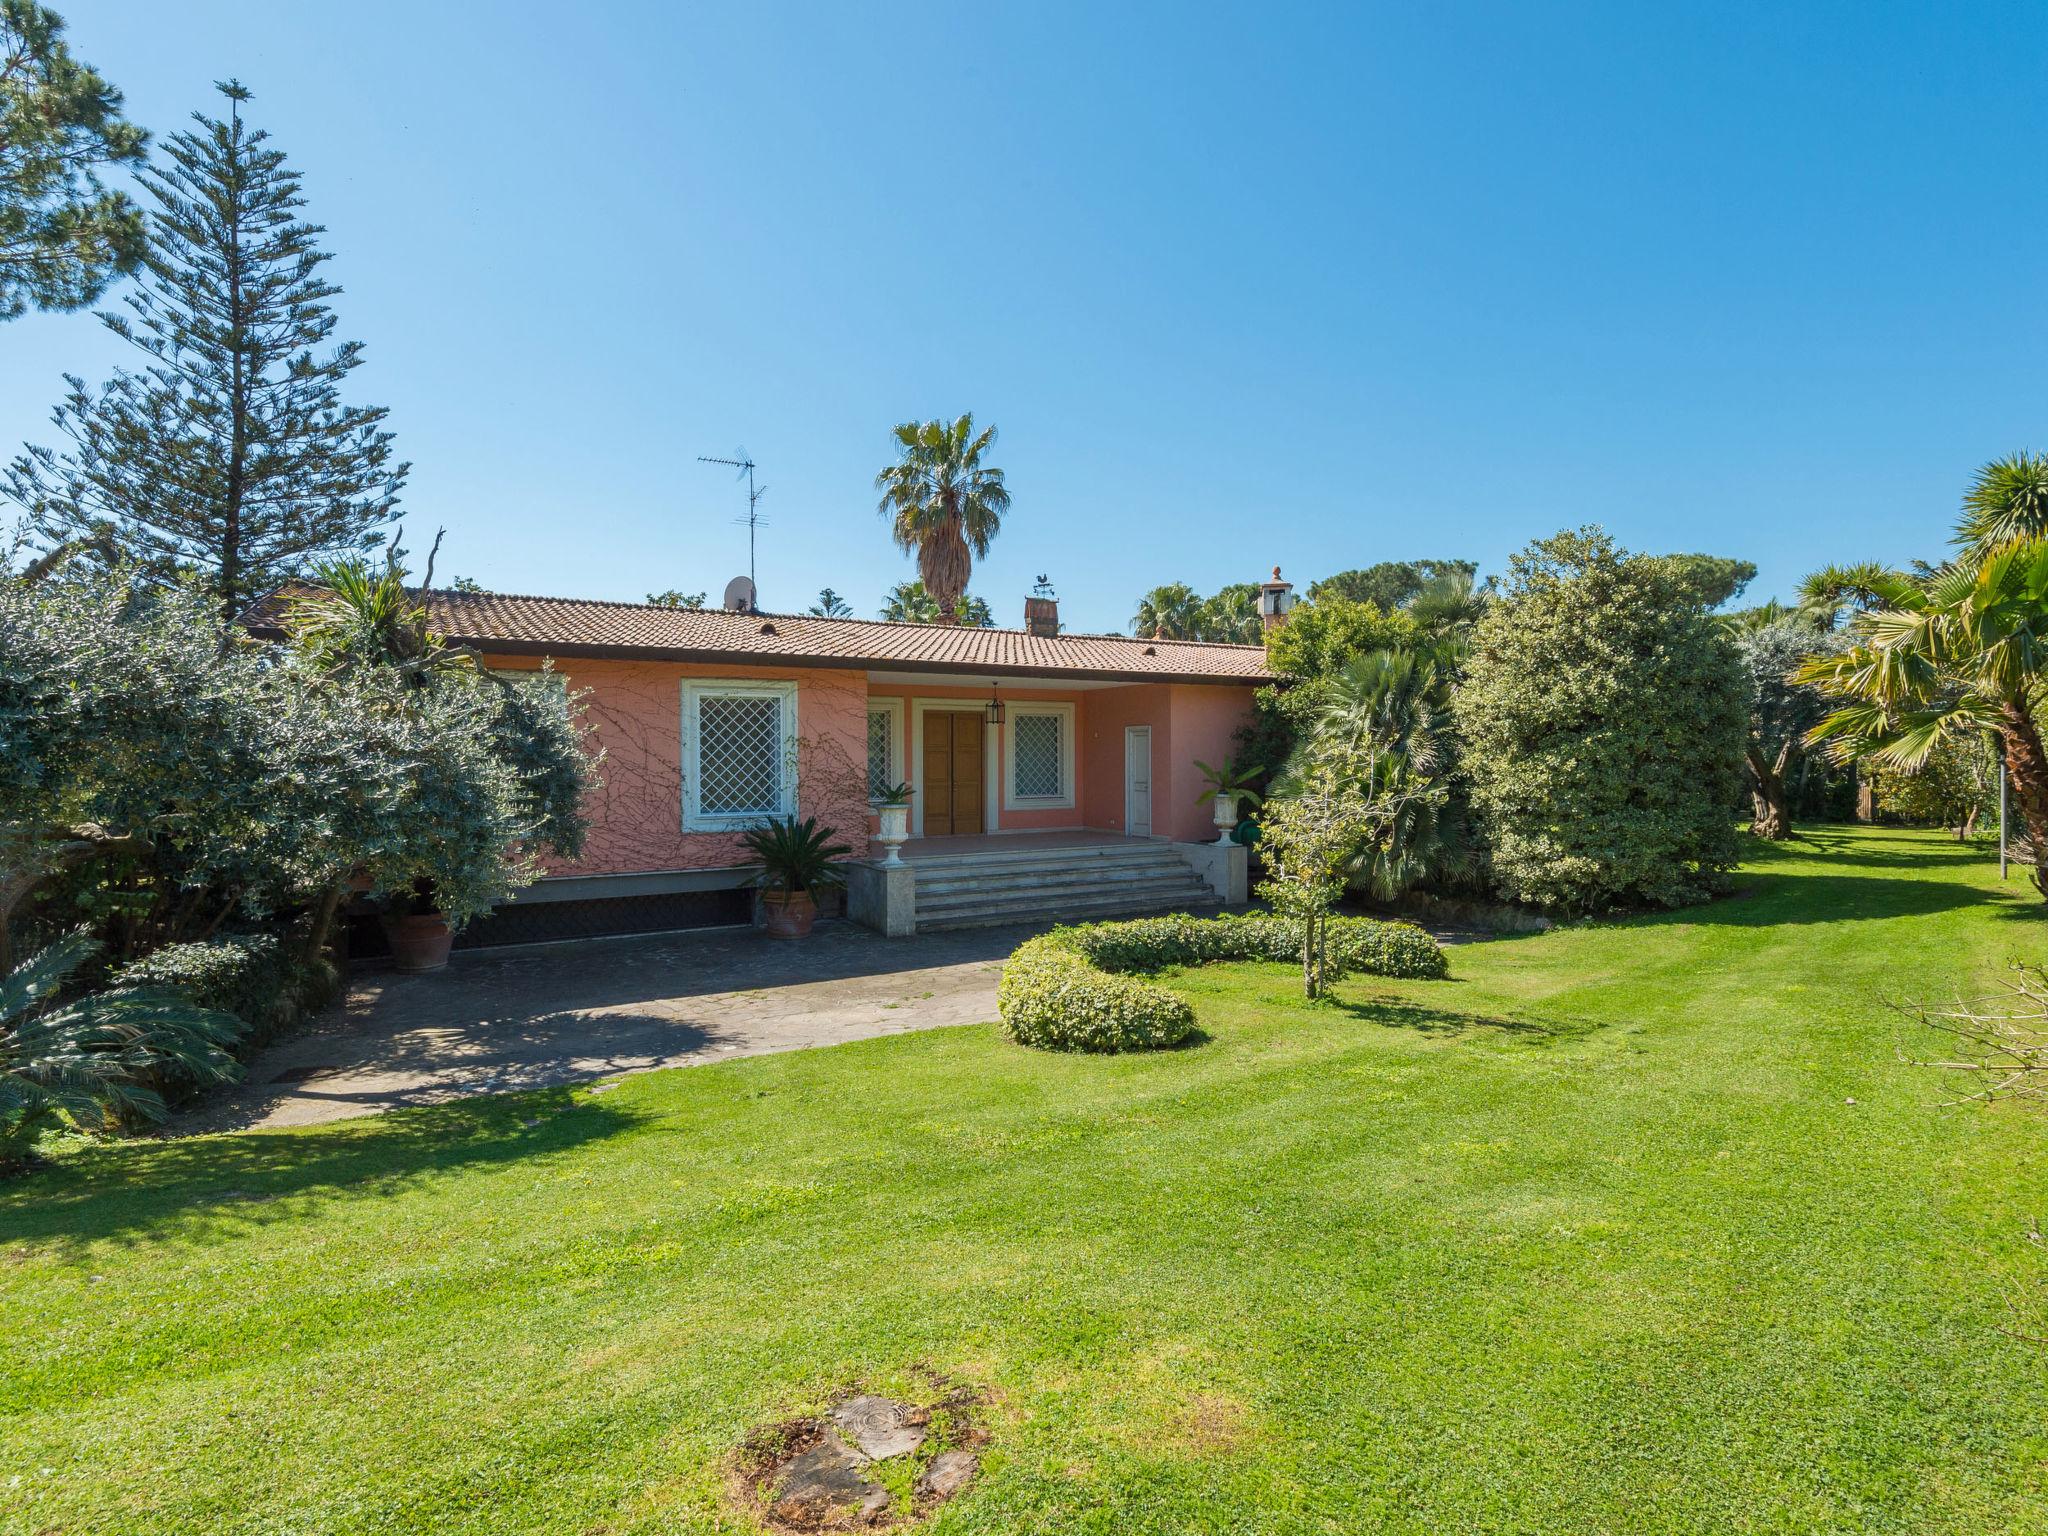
(496, 1021)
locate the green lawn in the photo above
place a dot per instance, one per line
(1638, 1227)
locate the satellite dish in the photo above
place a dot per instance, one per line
(739, 595)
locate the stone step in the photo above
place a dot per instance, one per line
(1023, 858)
(1092, 909)
(1053, 891)
(1050, 879)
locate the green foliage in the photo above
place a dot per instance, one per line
(230, 453)
(1391, 584)
(358, 616)
(257, 781)
(943, 503)
(1320, 637)
(1176, 611)
(830, 605)
(1955, 788)
(1077, 988)
(909, 603)
(63, 236)
(674, 599)
(2007, 501)
(1233, 780)
(1781, 711)
(1710, 580)
(94, 1059)
(1603, 715)
(267, 985)
(792, 856)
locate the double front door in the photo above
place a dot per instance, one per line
(954, 777)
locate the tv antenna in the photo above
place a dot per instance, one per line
(753, 520)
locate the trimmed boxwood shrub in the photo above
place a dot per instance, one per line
(1074, 989)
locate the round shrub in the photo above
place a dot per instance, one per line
(1077, 989)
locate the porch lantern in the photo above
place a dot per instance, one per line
(995, 706)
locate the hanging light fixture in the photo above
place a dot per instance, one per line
(995, 706)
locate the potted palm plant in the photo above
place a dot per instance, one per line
(1228, 786)
(793, 860)
(892, 808)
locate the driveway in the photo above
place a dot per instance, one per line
(529, 1017)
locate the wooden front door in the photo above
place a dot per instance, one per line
(953, 780)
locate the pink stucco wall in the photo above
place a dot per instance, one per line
(635, 710)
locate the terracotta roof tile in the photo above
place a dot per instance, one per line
(566, 626)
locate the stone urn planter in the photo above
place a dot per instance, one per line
(1225, 816)
(894, 831)
(419, 940)
(788, 914)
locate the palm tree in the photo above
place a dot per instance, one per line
(1231, 617)
(909, 603)
(2007, 501)
(1955, 652)
(945, 505)
(1171, 612)
(830, 605)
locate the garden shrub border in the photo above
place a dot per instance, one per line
(1079, 989)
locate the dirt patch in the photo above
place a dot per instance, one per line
(868, 1462)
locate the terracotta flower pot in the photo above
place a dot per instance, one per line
(789, 915)
(419, 941)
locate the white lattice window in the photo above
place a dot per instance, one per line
(1040, 749)
(739, 749)
(885, 752)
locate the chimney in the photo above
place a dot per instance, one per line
(1042, 611)
(1276, 597)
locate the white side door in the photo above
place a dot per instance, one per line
(1138, 780)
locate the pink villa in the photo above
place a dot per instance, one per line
(1053, 775)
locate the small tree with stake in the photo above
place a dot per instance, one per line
(229, 452)
(1310, 840)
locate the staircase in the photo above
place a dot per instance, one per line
(1070, 885)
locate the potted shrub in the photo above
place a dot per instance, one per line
(416, 930)
(892, 807)
(1228, 785)
(793, 859)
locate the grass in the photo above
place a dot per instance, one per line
(1642, 1227)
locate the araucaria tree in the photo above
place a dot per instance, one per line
(63, 235)
(230, 452)
(1604, 714)
(944, 505)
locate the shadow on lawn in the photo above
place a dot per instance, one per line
(220, 1186)
(1427, 1018)
(1763, 899)
(1851, 848)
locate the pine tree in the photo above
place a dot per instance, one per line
(229, 454)
(63, 236)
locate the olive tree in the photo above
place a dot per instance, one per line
(1603, 713)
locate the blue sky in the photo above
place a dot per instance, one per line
(1240, 286)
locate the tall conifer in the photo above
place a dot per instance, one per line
(229, 452)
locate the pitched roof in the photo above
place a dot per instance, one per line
(494, 622)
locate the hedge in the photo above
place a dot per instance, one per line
(254, 976)
(1073, 988)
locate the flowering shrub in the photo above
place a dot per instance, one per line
(1074, 989)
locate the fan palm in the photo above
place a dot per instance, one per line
(1958, 651)
(1169, 612)
(2007, 501)
(92, 1059)
(945, 505)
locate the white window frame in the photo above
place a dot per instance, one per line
(695, 690)
(1063, 801)
(893, 708)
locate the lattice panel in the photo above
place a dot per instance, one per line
(879, 782)
(739, 755)
(1037, 757)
